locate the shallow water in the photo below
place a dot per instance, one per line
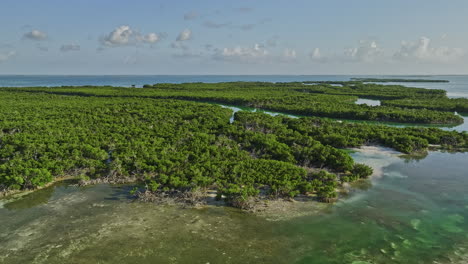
(369, 102)
(410, 212)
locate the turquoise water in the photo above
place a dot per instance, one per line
(410, 212)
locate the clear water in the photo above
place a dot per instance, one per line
(410, 212)
(369, 102)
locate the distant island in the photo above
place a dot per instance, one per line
(398, 80)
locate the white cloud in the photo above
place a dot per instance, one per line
(185, 35)
(70, 47)
(6, 56)
(120, 36)
(150, 38)
(424, 51)
(243, 54)
(125, 35)
(368, 51)
(35, 35)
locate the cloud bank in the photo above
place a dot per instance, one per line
(423, 50)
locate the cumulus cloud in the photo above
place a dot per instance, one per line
(191, 15)
(242, 54)
(70, 47)
(6, 56)
(368, 51)
(424, 51)
(185, 35)
(124, 35)
(150, 38)
(35, 35)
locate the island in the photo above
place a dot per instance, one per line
(177, 140)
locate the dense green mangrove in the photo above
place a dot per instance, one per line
(441, 104)
(322, 100)
(176, 146)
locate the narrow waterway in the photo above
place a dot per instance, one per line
(459, 128)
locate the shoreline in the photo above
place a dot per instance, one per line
(264, 205)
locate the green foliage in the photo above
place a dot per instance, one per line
(172, 144)
(440, 104)
(323, 99)
(361, 171)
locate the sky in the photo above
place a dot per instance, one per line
(203, 37)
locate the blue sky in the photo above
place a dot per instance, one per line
(233, 37)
